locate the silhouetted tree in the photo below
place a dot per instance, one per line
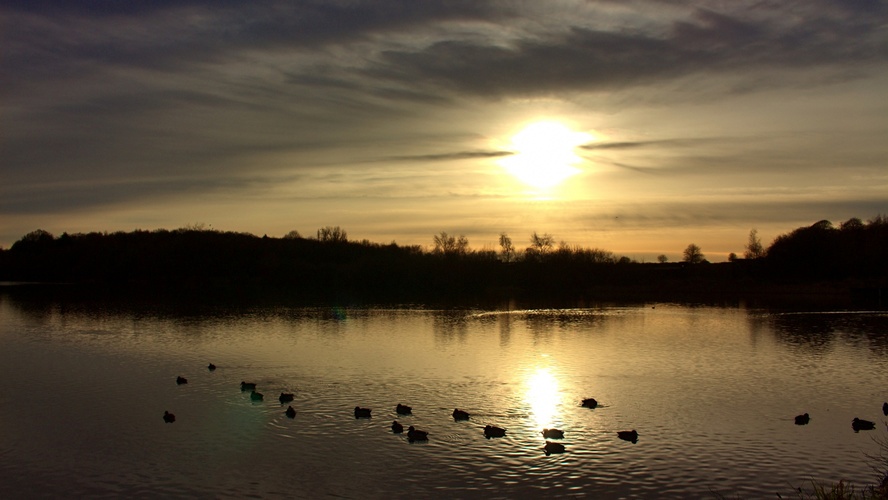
(293, 235)
(693, 254)
(754, 248)
(332, 234)
(507, 249)
(540, 245)
(662, 259)
(450, 245)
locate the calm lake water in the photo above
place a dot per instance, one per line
(712, 392)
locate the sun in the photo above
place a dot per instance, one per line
(544, 154)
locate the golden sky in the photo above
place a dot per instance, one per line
(635, 126)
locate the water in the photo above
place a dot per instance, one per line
(712, 392)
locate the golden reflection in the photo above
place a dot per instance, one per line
(542, 396)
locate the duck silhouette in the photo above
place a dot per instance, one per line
(802, 419)
(862, 425)
(553, 433)
(414, 434)
(493, 431)
(181, 380)
(286, 397)
(168, 417)
(290, 412)
(211, 367)
(459, 414)
(551, 447)
(397, 428)
(628, 435)
(403, 409)
(248, 386)
(362, 412)
(256, 396)
(589, 403)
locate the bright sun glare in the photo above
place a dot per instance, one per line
(544, 154)
(542, 396)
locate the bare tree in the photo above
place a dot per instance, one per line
(508, 250)
(754, 248)
(662, 259)
(451, 245)
(693, 254)
(541, 245)
(332, 234)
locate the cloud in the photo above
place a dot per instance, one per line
(459, 155)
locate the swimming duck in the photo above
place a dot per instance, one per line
(628, 435)
(802, 419)
(416, 435)
(862, 425)
(286, 397)
(168, 417)
(248, 386)
(211, 367)
(493, 431)
(256, 396)
(460, 415)
(553, 448)
(362, 412)
(403, 409)
(181, 380)
(397, 428)
(590, 403)
(290, 412)
(553, 433)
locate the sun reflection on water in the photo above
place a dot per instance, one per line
(542, 396)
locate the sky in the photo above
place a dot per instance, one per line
(633, 126)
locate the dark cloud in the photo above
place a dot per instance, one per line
(583, 59)
(460, 155)
(644, 144)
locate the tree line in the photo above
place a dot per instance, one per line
(329, 266)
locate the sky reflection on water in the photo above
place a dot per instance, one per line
(711, 391)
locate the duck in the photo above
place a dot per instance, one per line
(290, 412)
(551, 447)
(362, 412)
(460, 414)
(493, 431)
(553, 433)
(168, 417)
(628, 435)
(181, 380)
(590, 403)
(397, 428)
(802, 419)
(211, 367)
(256, 396)
(403, 409)
(286, 397)
(248, 386)
(885, 408)
(414, 434)
(862, 425)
